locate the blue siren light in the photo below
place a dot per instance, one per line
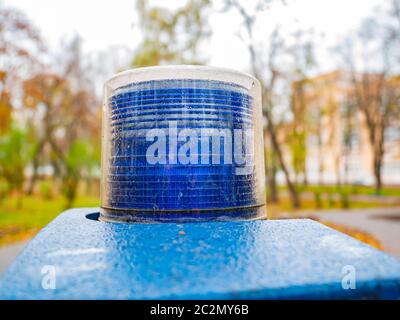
(182, 143)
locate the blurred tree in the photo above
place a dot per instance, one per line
(349, 119)
(81, 123)
(69, 112)
(303, 57)
(377, 106)
(5, 104)
(20, 46)
(14, 157)
(80, 158)
(372, 77)
(171, 36)
(20, 49)
(55, 102)
(47, 92)
(317, 121)
(392, 23)
(268, 76)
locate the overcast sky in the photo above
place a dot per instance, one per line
(107, 23)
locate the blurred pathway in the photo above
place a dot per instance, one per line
(382, 223)
(9, 253)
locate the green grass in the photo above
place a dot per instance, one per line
(36, 212)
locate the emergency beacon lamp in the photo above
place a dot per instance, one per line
(182, 197)
(182, 143)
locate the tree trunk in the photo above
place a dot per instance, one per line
(274, 198)
(70, 190)
(19, 199)
(305, 173)
(270, 169)
(378, 174)
(34, 177)
(277, 149)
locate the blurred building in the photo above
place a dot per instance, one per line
(337, 139)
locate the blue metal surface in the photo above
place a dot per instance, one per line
(136, 185)
(247, 259)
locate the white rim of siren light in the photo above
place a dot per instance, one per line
(172, 72)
